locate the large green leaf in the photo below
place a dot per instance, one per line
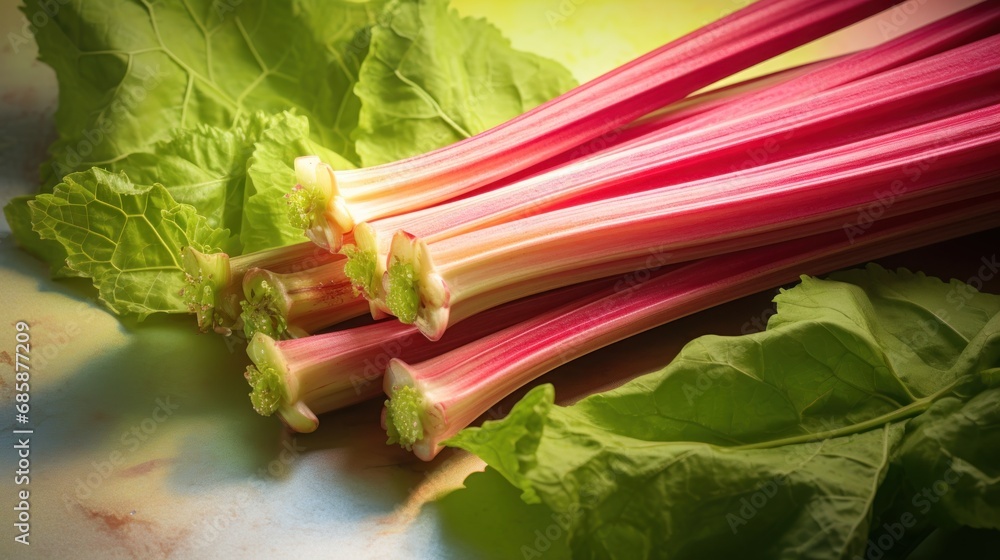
(204, 167)
(18, 215)
(125, 237)
(629, 498)
(237, 178)
(767, 445)
(952, 458)
(838, 351)
(130, 71)
(432, 78)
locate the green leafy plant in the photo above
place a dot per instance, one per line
(745, 444)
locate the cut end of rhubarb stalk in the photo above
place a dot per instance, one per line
(366, 277)
(404, 417)
(366, 267)
(409, 418)
(316, 206)
(274, 388)
(207, 277)
(360, 268)
(264, 308)
(414, 291)
(402, 291)
(268, 389)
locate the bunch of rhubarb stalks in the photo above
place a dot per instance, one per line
(623, 204)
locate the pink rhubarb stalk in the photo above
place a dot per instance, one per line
(955, 81)
(967, 26)
(328, 204)
(302, 378)
(724, 104)
(298, 304)
(426, 280)
(433, 400)
(215, 281)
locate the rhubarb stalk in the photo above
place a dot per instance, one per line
(731, 102)
(215, 281)
(298, 304)
(952, 82)
(302, 378)
(328, 204)
(426, 280)
(433, 400)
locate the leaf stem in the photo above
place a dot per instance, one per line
(908, 411)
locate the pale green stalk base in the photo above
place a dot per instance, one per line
(361, 269)
(316, 205)
(274, 390)
(403, 417)
(263, 311)
(268, 389)
(367, 272)
(414, 291)
(410, 417)
(209, 294)
(402, 295)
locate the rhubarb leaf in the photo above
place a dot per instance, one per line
(432, 78)
(237, 178)
(952, 455)
(741, 444)
(126, 238)
(928, 328)
(203, 166)
(18, 215)
(181, 64)
(834, 354)
(630, 498)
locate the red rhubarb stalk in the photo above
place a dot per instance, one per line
(426, 280)
(724, 104)
(972, 24)
(328, 204)
(433, 400)
(302, 378)
(952, 82)
(215, 281)
(298, 304)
